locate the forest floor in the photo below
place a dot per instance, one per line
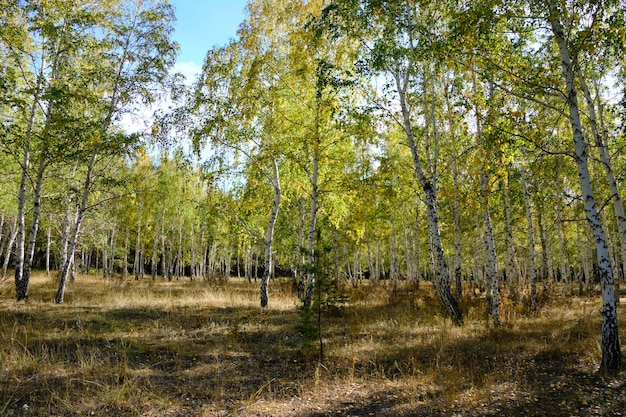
(143, 348)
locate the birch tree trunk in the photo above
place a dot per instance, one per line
(155, 252)
(9, 248)
(511, 275)
(491, 264)
(48, 252)
(394, 269)
(21, 285)
(105, 260)
(125, 258)
(137, 261)
(65, 269)
(194, 273)
(449, 303)
(1, 234)
(21, 282)
(32, 236)
(299, 253)
(110, 266)
(164, 271)
(458, 259)
(563, 260)
(310, 284)
(611, 353)
(269, 235)
(545, 260)
(179, 253)
(534, 301)
(600, 141)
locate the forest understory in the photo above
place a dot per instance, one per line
(181, 348)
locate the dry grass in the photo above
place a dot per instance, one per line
(138, 348)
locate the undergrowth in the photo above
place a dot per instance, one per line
(143, 348)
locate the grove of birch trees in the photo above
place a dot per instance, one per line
(473, 145)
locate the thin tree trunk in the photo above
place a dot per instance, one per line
(67, 225)
(563, 260)
(21, 282)
(491, 264)
(448, 301)
(30, 249)
(2, 235)
(179, 255)
(105, 261)
(9, 248)
(336, 249)
(310, 285)
(73, 268)
(611, 353)
(125, 259)
(164, 270)
(511, 274)
(137, 261)
(458, 260)
(113, 245)
(269, 235)
(193, 272)
(1, 230)
(65, 269)
(534, 300)
(600, 141)
(393, 257)
(48, 252)
(544, 249)
(490, 257)
(21, 285)
(155, 252)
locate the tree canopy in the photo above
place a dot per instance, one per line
(476, 145)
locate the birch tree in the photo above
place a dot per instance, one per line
(545, 35)
(49, 58)
(611, 353)
(396, 39)
(231, 75)
(138, 54)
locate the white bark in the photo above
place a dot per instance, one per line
(48, 252)
(458, 260)
(600, 141)
(1, 233)
(491, 264)
(611, 353)
(534, 300)
(137, 261)
(155, 251)
(490, 257)
(9, 248)
(511, 275)
(269, 235)
(545, 259)
(443, 280)
(21, 282)
(65, 269)
(32, 236)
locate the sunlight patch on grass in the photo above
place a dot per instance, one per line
(194, 348)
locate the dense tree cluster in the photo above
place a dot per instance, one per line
(473, 144)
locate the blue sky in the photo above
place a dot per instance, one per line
(202, 24)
